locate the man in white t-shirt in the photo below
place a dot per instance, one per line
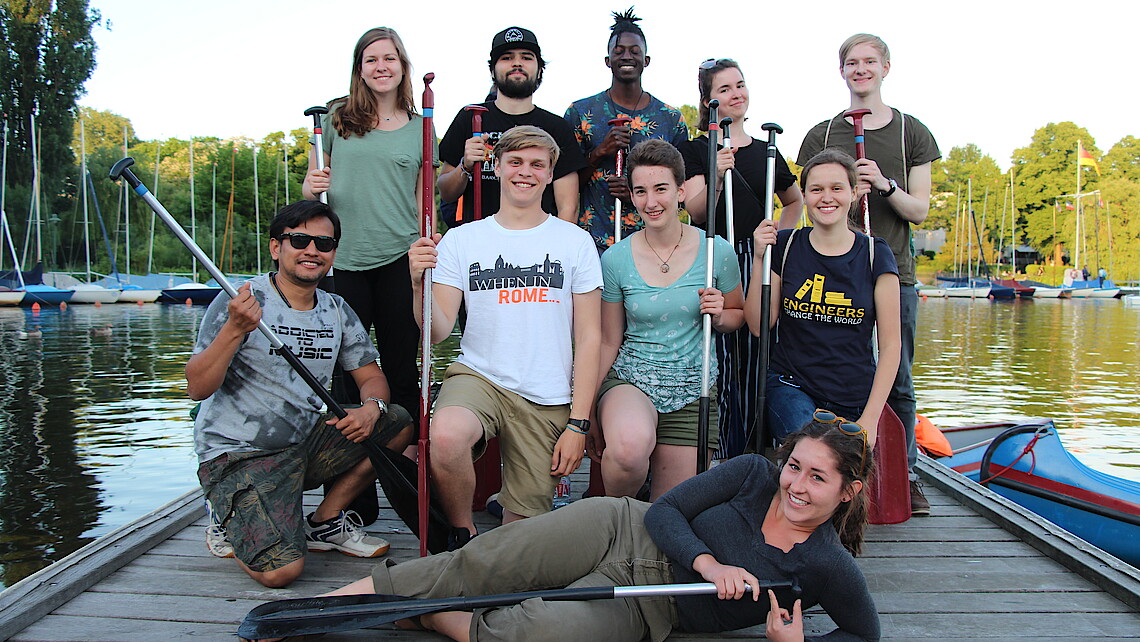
(531, 284)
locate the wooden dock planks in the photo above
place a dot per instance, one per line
(954, 575)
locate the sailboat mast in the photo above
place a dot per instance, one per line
(193, 218)
(214, 211)
(127, 211)
(150, 249)
(969, 237)
(4, 188)
(257, 209)
(36, 194)
(1077, 209)
(83, 183)
(1013, 227)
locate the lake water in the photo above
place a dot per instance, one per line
(95, 429)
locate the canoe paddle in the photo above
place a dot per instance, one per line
(334, 613)
(397, 474)
(706, 320)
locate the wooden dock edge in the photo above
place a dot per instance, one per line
(35, 596)
(1110, 574)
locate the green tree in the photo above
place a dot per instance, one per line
(952, 174)
(692, 117)
(1123, 160)
(48, 54)
(1045, 170)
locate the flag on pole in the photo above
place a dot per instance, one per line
(1086, 158)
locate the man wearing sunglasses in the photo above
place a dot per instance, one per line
(260, 434)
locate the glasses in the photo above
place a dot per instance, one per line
(849, 428)
(300, 241)
(713, 62)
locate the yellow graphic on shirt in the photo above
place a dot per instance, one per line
(814, 302)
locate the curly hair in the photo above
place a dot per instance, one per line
(850, 518)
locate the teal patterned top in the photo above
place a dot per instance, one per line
(661, 350)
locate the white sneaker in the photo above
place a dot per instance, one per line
(345, 534)
(216, 535)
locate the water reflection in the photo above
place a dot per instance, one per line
(94, 425)
(1076, 362)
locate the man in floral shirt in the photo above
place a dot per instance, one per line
(650, 118)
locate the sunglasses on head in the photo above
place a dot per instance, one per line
(849, 428)
(713, 62)
(300, 241)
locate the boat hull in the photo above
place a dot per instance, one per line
(45, 295)
(198, 294)
(138, 295)
(1029, 465)
(94, 294)
(968, 292)
(11, 297)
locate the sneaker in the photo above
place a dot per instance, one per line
(919, 506)
(457, 538)
(343, 533)
(216, 540)
(493, 507)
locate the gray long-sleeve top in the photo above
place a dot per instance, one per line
(721, 513)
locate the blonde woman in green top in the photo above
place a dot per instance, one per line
(373, 151)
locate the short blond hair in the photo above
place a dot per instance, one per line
(524, 137)
(861, 39)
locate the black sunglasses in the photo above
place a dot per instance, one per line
(713, 62)
(300, 241)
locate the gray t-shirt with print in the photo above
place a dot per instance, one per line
(263, 404)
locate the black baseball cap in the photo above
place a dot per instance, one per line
(514, 38)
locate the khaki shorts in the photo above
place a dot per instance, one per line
(527, 433)
(677, 428)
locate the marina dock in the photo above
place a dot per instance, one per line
(979, 568)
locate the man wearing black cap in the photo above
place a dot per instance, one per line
(516, 69)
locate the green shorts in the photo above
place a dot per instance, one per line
(257, 494)
(527, 433)
(677, 428)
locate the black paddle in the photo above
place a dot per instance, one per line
(760, 437)
(334, 613)
(397, 474)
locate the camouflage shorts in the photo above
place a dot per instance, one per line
(257, 495)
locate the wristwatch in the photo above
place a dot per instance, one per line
(581, 425)
(379, 402)
(887, 193)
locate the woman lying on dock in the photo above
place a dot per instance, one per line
(742, 524)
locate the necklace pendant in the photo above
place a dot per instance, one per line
(664, 268)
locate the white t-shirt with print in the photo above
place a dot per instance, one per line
(518, 286)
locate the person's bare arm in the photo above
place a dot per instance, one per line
(566, 197)
(206, 370)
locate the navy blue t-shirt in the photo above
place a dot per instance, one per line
(827, 314)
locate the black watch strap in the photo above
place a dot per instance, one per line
(894, 186)
(580, 424)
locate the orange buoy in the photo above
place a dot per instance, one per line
(63, 305)
(188, 301)
(36, 308)
(98, 304)
(139, 303)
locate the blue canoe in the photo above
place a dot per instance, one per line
(1028, 464)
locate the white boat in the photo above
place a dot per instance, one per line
(930, 290)
(1131, 299)
(1095, 293)
(968, 292)
(91, 293)
(11, 297)
(135, 294)
(1052, 293)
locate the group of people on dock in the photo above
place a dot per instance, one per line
(581, 297)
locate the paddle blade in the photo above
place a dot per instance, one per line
(397, 475)
(307, 616)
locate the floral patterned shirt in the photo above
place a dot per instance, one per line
(589, 117)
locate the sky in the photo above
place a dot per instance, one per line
(988, 73)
